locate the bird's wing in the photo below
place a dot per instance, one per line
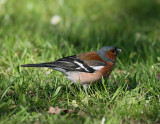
(92, 59)
(72, 63)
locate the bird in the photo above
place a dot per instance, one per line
(84, 68)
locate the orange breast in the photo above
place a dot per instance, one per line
(108, 69)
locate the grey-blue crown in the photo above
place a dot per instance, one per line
(105, 49)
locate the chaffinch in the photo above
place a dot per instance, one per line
(85, 68)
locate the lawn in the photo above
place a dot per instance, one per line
(130, 95)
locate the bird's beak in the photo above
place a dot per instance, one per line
(119, 50)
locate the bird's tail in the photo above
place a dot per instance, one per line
(43, 65)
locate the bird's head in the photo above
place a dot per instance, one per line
(108, 53)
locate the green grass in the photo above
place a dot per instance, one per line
(130, 95)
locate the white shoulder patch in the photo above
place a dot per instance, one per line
(97, 67)
(81, 65)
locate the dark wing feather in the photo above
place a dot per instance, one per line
(70, 63)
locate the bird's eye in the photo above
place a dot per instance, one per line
(113, 51)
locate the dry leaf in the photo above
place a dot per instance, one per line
(57, 110)
(158, 122)
(120, 71)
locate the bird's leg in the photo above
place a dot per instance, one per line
(85, 86)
